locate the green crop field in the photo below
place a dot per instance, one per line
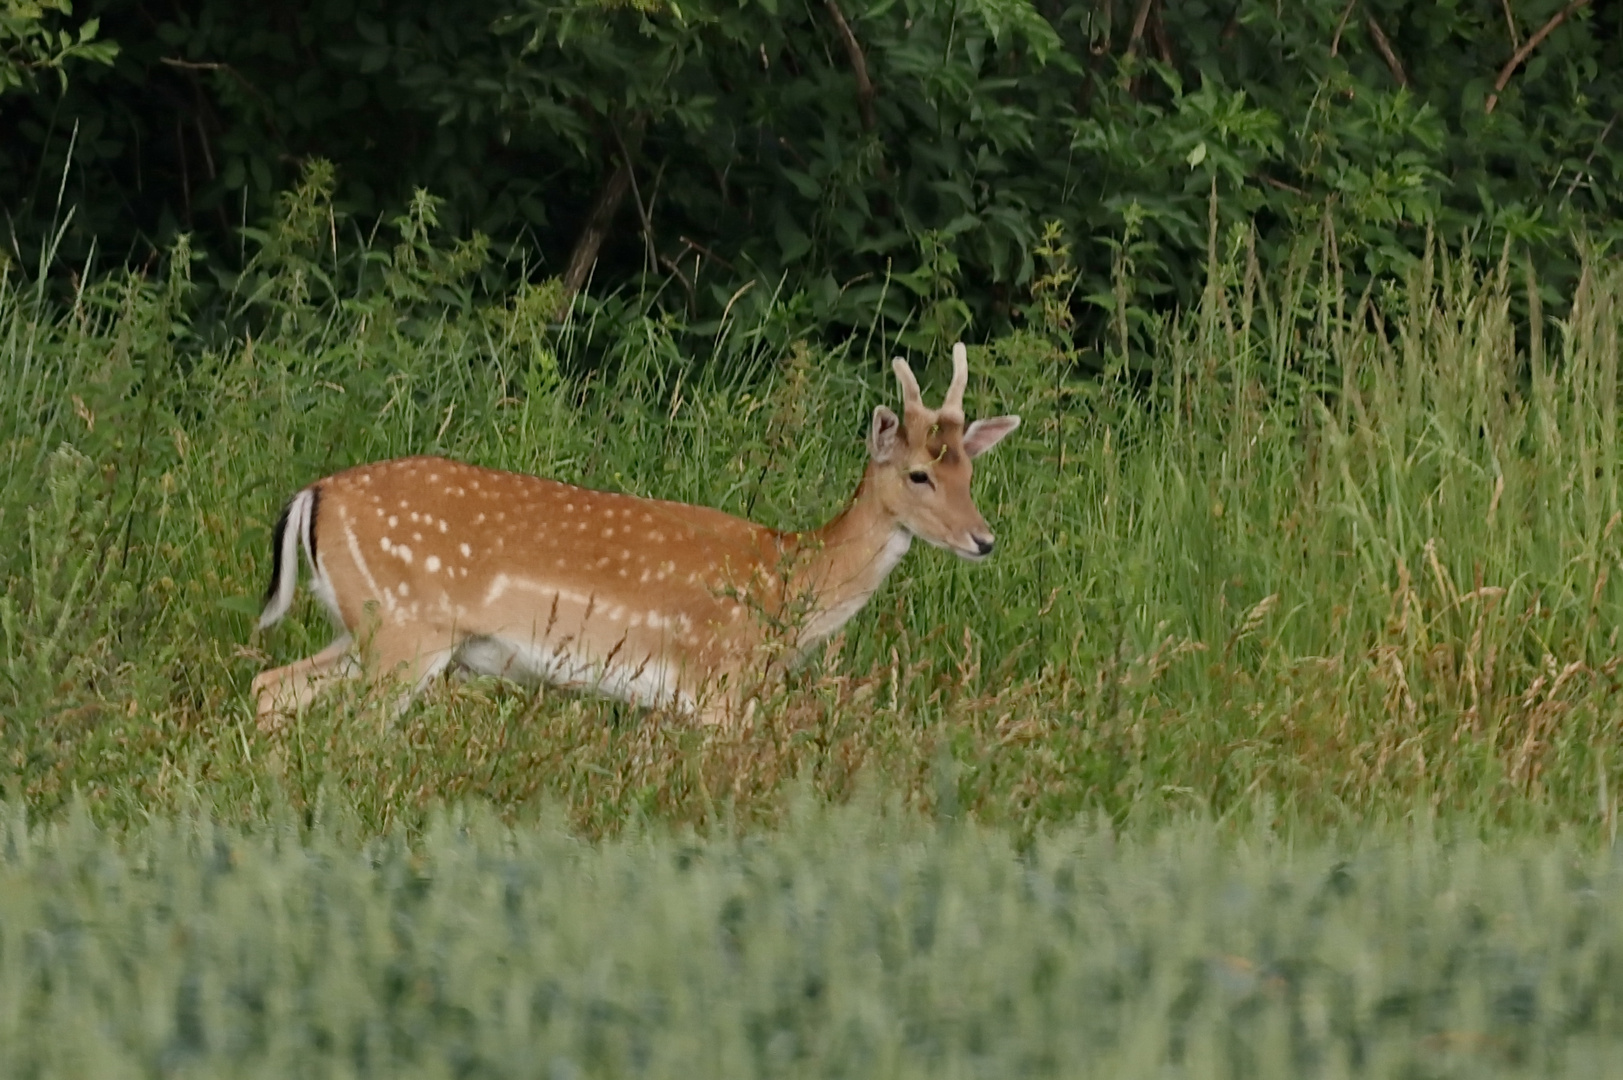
(845, 943)
(1279, 737)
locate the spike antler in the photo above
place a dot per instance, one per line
(952, 406)
(911, 399)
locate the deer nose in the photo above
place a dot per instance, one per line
(983, 544)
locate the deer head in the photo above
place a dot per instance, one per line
(920, 462)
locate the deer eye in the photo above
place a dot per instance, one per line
(919, 476)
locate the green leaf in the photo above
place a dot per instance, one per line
(240, 605)
(792, 240)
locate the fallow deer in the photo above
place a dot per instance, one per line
(424, 563)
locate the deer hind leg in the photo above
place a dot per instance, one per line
(283, 691)
(408, 657)
(387, 654)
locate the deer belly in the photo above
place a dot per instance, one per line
(631, 676)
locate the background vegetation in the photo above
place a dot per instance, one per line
(893, 161)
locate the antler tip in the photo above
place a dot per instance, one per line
(910, 385)
(954, 403)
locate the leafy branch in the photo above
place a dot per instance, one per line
(28, 44)
(1526, 50)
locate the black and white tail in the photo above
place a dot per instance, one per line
(295, 529)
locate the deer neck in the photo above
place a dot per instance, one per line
(842, 564)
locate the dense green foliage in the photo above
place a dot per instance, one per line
(845, 944)
(893, 161)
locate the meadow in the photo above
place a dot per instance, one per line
(1279, 737)
(1327, 562)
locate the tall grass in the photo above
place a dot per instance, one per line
(854, 942)
(1337, 563)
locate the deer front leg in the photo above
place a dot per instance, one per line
(723, 704)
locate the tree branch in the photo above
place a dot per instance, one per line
(1341, 24)
(596, 229)
(1588, 161)
(1158, 34)
(242, 80)
(636, 196)
(1139, 19)
(859, 65)
(1231, 25)
(1527, 50)
(1280, 185)
(1384, 47)
(599, 220)
(699, 249)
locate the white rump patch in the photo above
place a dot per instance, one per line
(321, 588)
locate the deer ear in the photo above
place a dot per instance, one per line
(982, 435)
(883, 435)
